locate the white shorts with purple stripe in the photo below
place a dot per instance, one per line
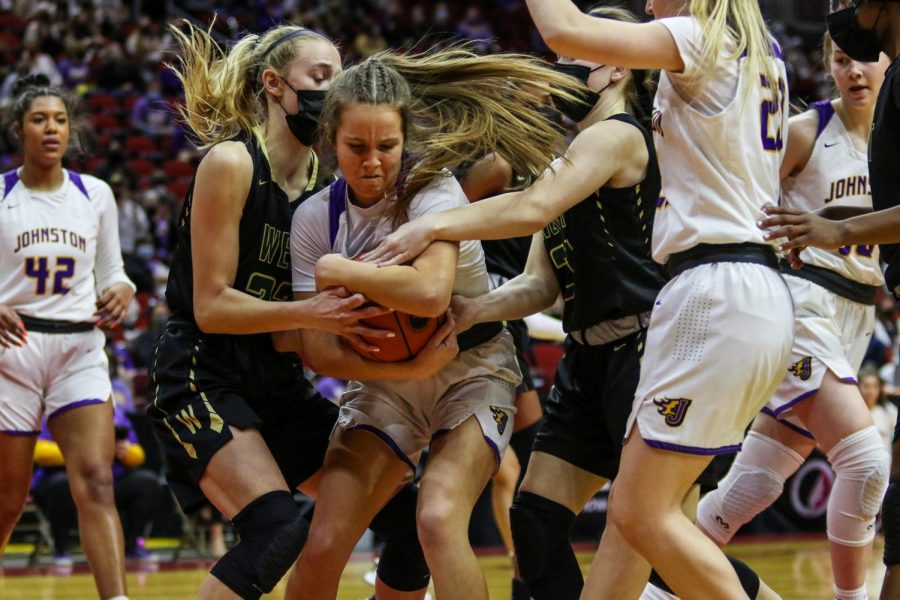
(50, 374)
(717, 346)
(408, 415)
(831, 333)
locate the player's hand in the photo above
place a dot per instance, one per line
(440, 350)
(801, 229)
(12, 329)
(403, 245)
(113, 304)
(339, 311)
(465, 310)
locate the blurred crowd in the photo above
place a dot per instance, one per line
(113, 53)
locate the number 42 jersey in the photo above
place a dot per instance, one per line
(58, 248)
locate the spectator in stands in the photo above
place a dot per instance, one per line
(136, 490)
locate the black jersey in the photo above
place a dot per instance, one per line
(600, 250)
(507, 257)
(884, 148)
(264, 257)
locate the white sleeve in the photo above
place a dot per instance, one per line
(309, 242)
(444, 193)
(688, 35)
(108, 265)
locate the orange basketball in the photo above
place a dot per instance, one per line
(412, 332)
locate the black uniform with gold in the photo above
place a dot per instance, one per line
(600, 253)
(201, 383)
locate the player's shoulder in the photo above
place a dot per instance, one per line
(94, 189)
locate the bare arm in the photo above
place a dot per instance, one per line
(422, 288)
(805, 229)
(570, 32)
(326, 354)
(566, 183)
(529, 293)
(223, 182)
(801, 141)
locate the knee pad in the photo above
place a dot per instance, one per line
(890, 521)
(861, 465)
(272, 532)
(657, 588)
(754, 481)
(402, 564)
(547, 563)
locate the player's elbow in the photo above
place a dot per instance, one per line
(432, 301)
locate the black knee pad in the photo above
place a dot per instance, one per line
(402, 564)
(748, 577)
(890, 522)
(547, 563)
(272, 532)
(521, 443)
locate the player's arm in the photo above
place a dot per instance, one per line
(220, 192)
(534, 290)
(328, 354)
(489, 175)
(804, 229)
(116, 290)
(564, 184)
(421, 288)
(801, 141)
(570, 32)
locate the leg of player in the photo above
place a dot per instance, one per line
(87, 441)
(243, 481)
(648, 513)
(503, 490)
(360, 474)
(551, 495)
(842, 424)
(630, 572)
(16, 460)
(770, 454)
(459, 466)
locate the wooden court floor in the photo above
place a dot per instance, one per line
(796, 568)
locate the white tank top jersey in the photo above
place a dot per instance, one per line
(837, 174)
(361, 229)
(720, 140)
(58, 248)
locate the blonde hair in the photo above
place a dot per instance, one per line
(742, 20)
(456, 106)
(223, 90)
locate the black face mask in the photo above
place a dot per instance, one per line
(577, 110)
(304, 125)
(552, 116)
(859, 44)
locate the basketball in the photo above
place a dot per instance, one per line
(412, 332)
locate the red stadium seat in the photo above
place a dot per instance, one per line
(178, 169)
(107, 124)
(105, 103)
(543, 358)
(178, 188)
(141, 167)
(142, 145)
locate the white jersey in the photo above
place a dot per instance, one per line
(837, 174)
(359, 230)
(720, 140)
(59, 248)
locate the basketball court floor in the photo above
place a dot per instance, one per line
(796, 567)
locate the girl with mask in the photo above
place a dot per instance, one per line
(399, 125)
(237, 421)
(825, 168)
(720, 331)
(591, 220)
